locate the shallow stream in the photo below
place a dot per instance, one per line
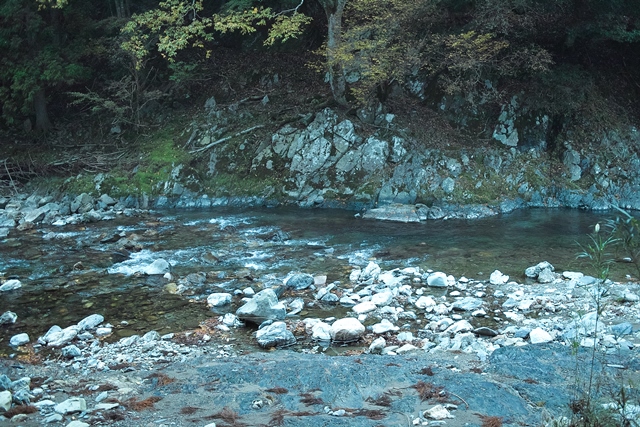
(73, 271)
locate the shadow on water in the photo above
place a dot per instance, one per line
(66, 270)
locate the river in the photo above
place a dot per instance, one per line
(70, 272)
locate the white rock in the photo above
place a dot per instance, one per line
(10, 285)
(383, 298)
(18, 340)
(159, 266)
(5, 400)
(459, 327)
(437, 280)
(218, 299)
(539, 336)
(364, 307)
(347, 329)
(497, 278)
(321, 332)
(371, 271)
(8, 317)
(425, 302)
(44, 403)
(383, 327)
(105, 406)
(75, 404)
(377, 345)
(77, 423)
(90, 322)
(58, 339)
(103, 332)
(407, 348)
(438, 412)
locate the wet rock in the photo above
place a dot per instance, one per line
(19, 339)
(437, 280)
(394, 212)
(5, 400)
(8, 317)
(486, 332)
(10, 285)
(275, 335)
(262, 307)
(69, 406)
(299, 281)
(90, 322)
(157, 267)
(539, 336)
(219, 299)
(347, 329)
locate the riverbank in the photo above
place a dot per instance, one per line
(472, 333)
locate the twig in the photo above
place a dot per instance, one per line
(13, 184)
(463, 401)
(226, 138)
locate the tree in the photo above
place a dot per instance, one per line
(37, 58)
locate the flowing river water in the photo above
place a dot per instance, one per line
(73, 271)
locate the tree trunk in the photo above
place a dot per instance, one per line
(40, 107)
(334, 10)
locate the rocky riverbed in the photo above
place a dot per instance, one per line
(386, 346)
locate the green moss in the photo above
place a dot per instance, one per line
(224, 184)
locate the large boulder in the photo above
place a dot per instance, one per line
(347, 329)
(262, 307)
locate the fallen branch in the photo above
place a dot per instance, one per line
(226, 138)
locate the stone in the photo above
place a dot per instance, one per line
(262, 307)
(8, 317)
(90, 322)
(19, 339)
(371, 272)
(497, 278)
(437, 280)
(74, 404)
(383, 327)
(377, 345)
(467, 304)
(438, 412)
(71, 351)
(5, 400)
(157, 267)
(10, 285)
(5, 382)
(485, 332)
(61, 337)
(53, 418)
(539, 336)
(425, 302)
(299, 281)
(382, 299)
(107, 200)
(347, 329)
(546, 276)
(321, 331)
(364, 307)
(77, 423)
(407, 348)
(460, 326)
(275, 335)
(218, 299)
(620, 329)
